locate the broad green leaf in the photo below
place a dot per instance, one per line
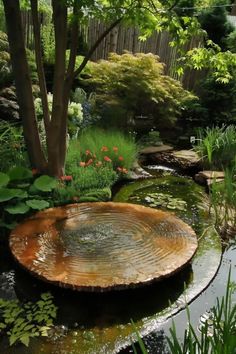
(9, 226)
(20, 208)
(45, 183)
(7, 194)
(37, 204)
(25, 340)
(19, 173)
(4, 179)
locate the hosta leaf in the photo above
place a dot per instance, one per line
(19, 173)
(45, 183)
(6, 194)
(20, 208)
(10, 193)
(37, 204)
(4, 179)
(25, 340)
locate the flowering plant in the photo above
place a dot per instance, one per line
(109, 158)
(75, 113)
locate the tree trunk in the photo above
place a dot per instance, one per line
(56, 167)
(23, 83)
(233, 11)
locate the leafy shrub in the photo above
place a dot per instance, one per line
(75, 114)
(88, 103)
(48, 43)
(152, 138)
(215, 17)
(217, 101)
(136, 85)
(6, 76)
(24, 321)
(217, 147)
(21, 194)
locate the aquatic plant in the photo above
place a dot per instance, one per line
(21, 322)
(217, 146)
(223, 202)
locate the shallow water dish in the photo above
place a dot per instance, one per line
(103, 246)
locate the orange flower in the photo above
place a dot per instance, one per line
(88, 152)
(104, 148)
(99, 163)
(82, 164)
(66, 178)
(35, 171)
(121, 158)
(89, 162)
(122, 170)
(106, 158)
(115, 148)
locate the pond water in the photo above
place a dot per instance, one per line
(91, 323)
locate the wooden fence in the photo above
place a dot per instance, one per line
(127, 39)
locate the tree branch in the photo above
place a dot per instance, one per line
(94, 47)
(74, 41)
(39, 62)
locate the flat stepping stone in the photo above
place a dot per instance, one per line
(189, 155)
(156, 149)
(208, 177)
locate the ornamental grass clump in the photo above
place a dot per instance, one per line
(217, 147)
(98, 150)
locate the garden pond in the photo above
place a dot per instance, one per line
(97, 323)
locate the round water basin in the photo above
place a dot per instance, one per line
(103, 246)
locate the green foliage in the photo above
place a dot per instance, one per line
(75, 115)
(151, 139)
(5, 66)
(217, 146)
(21, 194)
(100, 148)
(48, 42)
(88, 103)
(217, 334)
(219, 63)
(223, 202)
(21, 322)
(217, 101)
(12, 147)
(214, 18)
(137, 85)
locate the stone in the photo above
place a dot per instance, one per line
(155, 149)
(207, 177)
(188, 155)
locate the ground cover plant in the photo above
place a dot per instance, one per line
(21, 322)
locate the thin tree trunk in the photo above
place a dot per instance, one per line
(39, 62)
(55, 136)
(23, 83)
(233, 11)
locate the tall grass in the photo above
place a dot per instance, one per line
(217, 146)
(12, 147)
(96, 145)
(223, 201)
